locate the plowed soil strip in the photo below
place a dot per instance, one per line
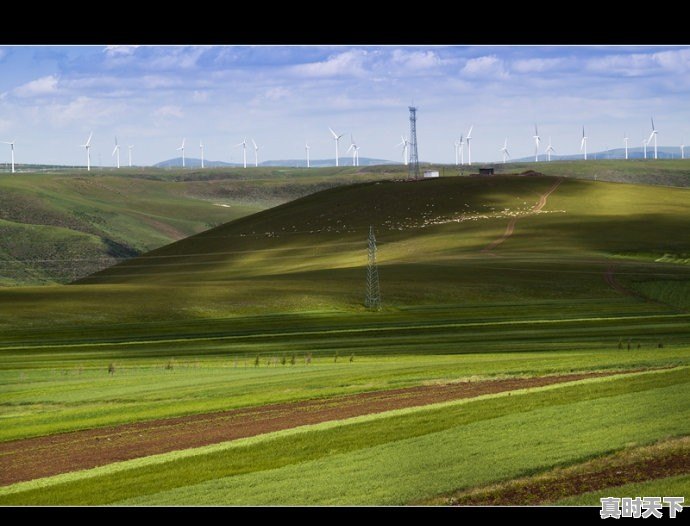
(32, 458)
(597, 475)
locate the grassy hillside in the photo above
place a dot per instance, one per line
(60, 226)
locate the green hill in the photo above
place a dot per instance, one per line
(56, 227)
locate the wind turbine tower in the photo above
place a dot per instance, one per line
(336, 138)
(413, 167)
(644, 145)
(653, 134)
(625, 139)
(537, 140)
(403, 142)
(201, 147)
(182, 149)
(243, 144)
(11, 143)
(469, 145)
(306, 149)
(682, 154)
(549, 151)
(583, 143)
(355, 151)
(116, 150)
(87, 145)
(504, 150)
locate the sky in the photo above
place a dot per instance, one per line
(52, 97)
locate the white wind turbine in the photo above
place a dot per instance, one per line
(182, 148)
(336, 138)
(403, 142)
(11, 143)
(537, 140)
(87, 145)
(504, 150)
(355, 151)
(243, 144)
(549, 150)
(644, 145)
(462, 150)
(306, 149)
(129, 153)
(653, 134)
(256, 154)
(625, 139)
(682, 154)
(469, 147)
(456, 146)
(201, 147)
(583, 143)
(116, 150)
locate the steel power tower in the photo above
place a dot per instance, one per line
(413, 166)
(373, 298)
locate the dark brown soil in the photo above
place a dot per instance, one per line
(32, 458)
(638, 465)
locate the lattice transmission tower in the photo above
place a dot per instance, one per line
(413, 166)
(373, 297)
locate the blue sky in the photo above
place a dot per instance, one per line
(153, 96)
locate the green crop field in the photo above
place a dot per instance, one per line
(482, 279)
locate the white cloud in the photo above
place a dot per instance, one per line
(536, 65)
(347, 63)
(416, 59)
(82, 109)
(169, 111)
(277, 93)
(641, 64)
(115, 51)
(38, 87)
(486, 66)
(200, 96)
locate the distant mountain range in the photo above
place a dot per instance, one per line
(191, 162)
(664, 152)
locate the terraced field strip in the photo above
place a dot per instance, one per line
(50, 455)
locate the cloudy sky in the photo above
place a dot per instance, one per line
(153, 96)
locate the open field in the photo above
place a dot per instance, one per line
(588, 277)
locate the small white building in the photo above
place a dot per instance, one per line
(430, 174)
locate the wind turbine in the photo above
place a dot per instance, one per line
(682, 154)
(549, 150)
(256, 154)
(116, 150)
(625, 139)
(583, 143)
(129, 153)
(243, 144)
(469, 147)
(653, 134)
(462, 150)
(182, 148)
(355, 151)
(644, 145)
(537, 140)
(306, 149)
(505, 150)
(201, 147)
(336, 138)
(403, 142)
(11, 143)
(87, 145)
(456, 145)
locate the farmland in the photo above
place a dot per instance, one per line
(529, 325)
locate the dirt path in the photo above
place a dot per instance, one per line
(636, 465)
(511, 224)
(611, 281)
(50, 455)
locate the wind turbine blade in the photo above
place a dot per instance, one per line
(653, 128)
(88, 142)
(469, 133)
(651, 136)
(335, 135)
(255, 146)
(114, 150)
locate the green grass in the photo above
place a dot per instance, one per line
(678, 486)
(407, 456)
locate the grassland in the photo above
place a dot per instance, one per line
(60, 226)
(593, 281)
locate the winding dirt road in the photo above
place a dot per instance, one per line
(511, 224)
